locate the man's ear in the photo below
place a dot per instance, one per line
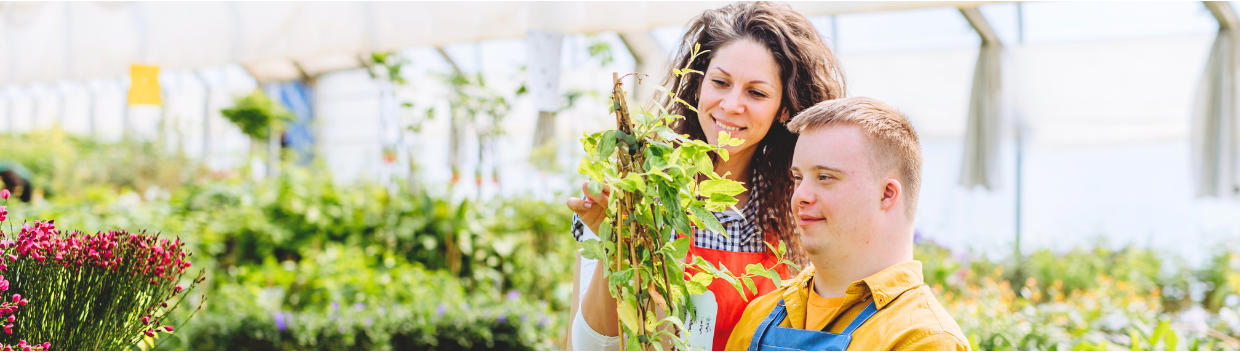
(893, 191)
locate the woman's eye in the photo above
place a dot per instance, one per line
(758, 94)
(719, 82)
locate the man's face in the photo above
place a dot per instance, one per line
(838, 200)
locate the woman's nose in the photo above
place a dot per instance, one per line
(731, 103)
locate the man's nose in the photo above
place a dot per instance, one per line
(801, 197)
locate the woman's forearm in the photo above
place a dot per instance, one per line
(599, 307)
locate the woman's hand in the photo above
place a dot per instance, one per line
(592, 209)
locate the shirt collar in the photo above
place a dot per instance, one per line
(889, 283)
(884, 286)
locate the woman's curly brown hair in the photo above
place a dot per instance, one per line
(810, 74)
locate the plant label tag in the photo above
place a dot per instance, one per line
(701, 328)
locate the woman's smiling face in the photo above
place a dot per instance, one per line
(740, 94)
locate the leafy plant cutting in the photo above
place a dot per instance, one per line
(663, 185)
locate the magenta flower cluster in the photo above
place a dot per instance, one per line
(23, 346)
(159, 258)
(79, 273)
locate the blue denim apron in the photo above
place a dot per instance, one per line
(772, 337)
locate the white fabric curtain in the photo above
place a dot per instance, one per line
(982, 136)
(1215, 139)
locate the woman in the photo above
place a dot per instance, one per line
(765, 64)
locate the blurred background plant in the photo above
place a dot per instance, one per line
(299, 261)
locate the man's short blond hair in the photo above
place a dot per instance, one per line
(893, 141)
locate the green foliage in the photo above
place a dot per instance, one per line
(600, 49)
(256, 114)
(1086, 299)
(74, 168)
(343, 299)
(387, 65)
(654, 176)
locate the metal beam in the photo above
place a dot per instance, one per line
(1223, 12)
(650, 58)
(979, 24)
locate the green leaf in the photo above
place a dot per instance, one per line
(682, 247)
(607, 144)
(707, 219)
(621, 278)
(774, 275)
(1164, 332)
(695, 288)
(720, 202)
(1136, 340)
(633, 183)
(749, 283)
(699, 283)
(709, 188)
(591, 249)
(629, 315)
(604, 231)
(594, 187)
(675, 321)
(671, 201)
(1172, 341)
(755, 269)
(633, 344)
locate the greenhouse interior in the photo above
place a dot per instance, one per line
(393, 175)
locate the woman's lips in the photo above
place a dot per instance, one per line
(725, 127)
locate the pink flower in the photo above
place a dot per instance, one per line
(12, 318)
(178, 288)
(8, 329)
(5, 194)
(16, 297)
(47, 345)
(150, 333)
(168, 328)
(165, 304)
(22, 303)
(146, 320)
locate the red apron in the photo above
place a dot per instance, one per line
(730, 305)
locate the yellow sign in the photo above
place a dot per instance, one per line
(143, 85)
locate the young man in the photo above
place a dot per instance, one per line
(857, 169)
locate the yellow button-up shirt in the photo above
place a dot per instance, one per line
(908, 317)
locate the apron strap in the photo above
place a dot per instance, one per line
(860, 319)
(777, 316)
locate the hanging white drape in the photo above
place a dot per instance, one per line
(981, 139)
(1215, 139)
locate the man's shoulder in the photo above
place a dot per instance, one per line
(924, 323)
